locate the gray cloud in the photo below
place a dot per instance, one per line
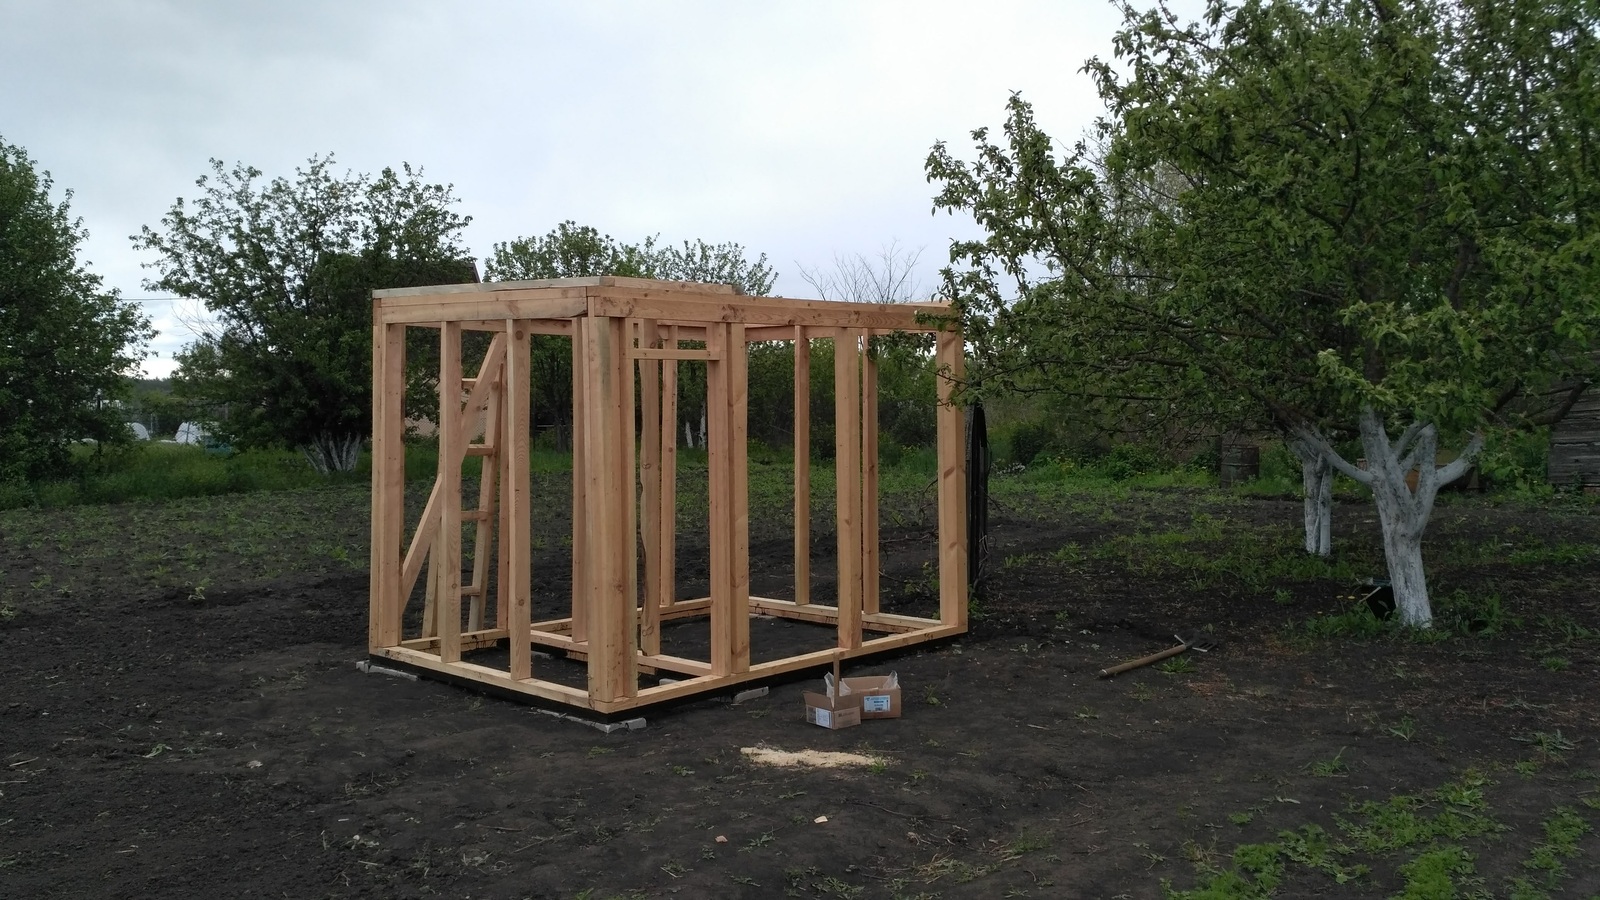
(797, 129)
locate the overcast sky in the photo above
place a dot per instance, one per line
(796, 129)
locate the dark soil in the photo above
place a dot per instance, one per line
(193, 724)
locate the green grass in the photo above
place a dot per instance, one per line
(1426, 839)
(158, 471)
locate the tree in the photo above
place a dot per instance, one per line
(1382, 224)
(571, 250)
(66, 343)
(906, 382)
(891, 278)
(288, 268)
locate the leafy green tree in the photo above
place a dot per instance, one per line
(66, 343)
(571, 250)
(288, 268)
(1377, 218)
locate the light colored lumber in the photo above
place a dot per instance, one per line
(802, 466)
(666, 353)
(829, 615)
(580, 481)
(724, 608)
(738, 424)
(485, 516)
(503, 306)
(704, 307)
(611, 630)
(677, 664)
(448, 292)
(543, 690)
(650, 489)
(685, 609)
(624, 492)
(470, 640)
(667, 534)
(847, 477)
(428, 526)
(870, 561)
(952, 483)
(446, 568)
(817, 659)
(517, 479)
(387, 603)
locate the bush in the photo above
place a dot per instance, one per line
(1026, 441)
(1126, 461)
(1517, 461)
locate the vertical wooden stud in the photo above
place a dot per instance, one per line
(869, 478)
(626, 473)
(952, 483)
(516, 586)
(736, 353)
(580, 481)
(847, 462)
(445, 566)
(802, 466)
(388, 482)
(667, 536)
(487, 512)
(612, 629)
(650, 483)
(727, 609)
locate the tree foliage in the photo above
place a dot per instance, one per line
(571, 250)
(1335, 217)
(67, 344)
(288, 267)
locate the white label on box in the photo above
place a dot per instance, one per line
(877, 704)
(824, 717)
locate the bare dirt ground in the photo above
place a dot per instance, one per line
(181, 716)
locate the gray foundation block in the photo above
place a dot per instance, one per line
(371, 669)
(602, 727)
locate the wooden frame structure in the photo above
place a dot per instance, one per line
(627, 341)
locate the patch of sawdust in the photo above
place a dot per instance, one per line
(815, 759)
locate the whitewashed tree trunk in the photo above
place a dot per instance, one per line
(1316, 477)
(329, 452)
(1402, 514)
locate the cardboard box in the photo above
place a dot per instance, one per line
(833, 712)
(877, 695)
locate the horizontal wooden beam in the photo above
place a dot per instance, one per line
(828, 615)
(677, 664)
(470, 640)
(510, 305)
(533, 687)
(706, 307)
(658, 353)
